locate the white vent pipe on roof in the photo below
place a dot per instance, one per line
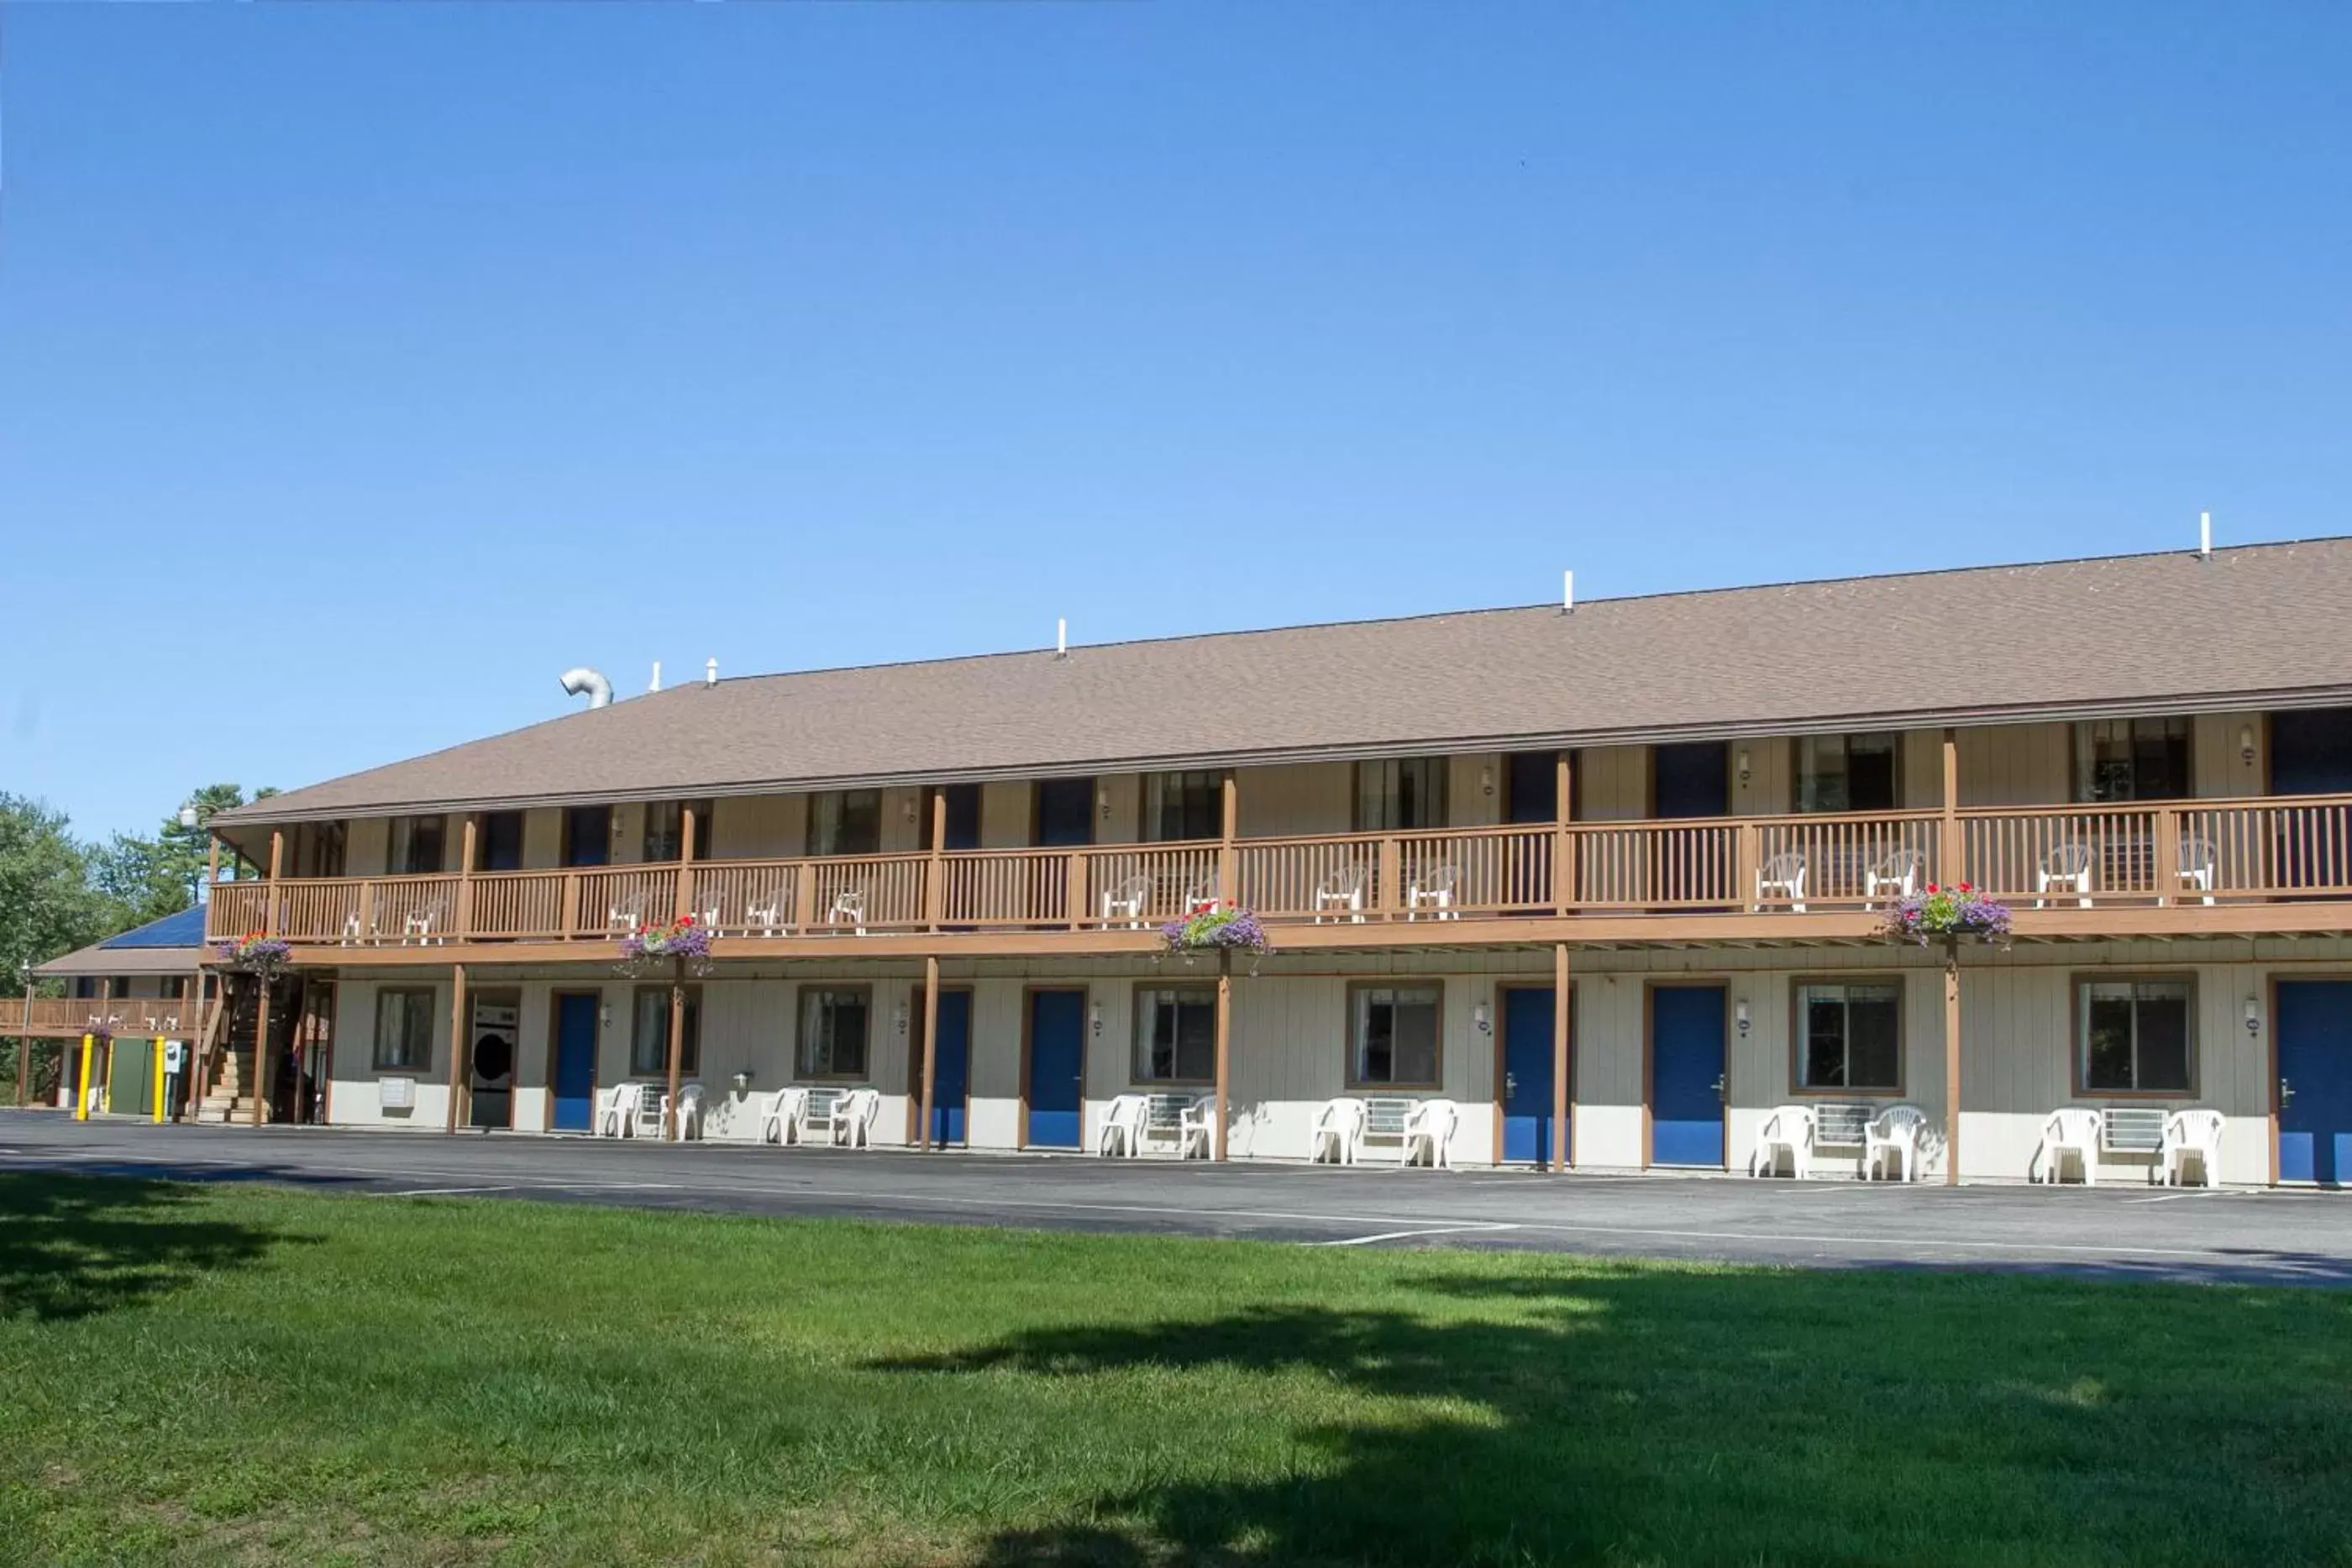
(583, 679)
(709, 672)
(2205, 535)
(656, 686)
(1568, 593)
(1062, 638)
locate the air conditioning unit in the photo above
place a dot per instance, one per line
(395, 1094)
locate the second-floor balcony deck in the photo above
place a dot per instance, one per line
(1684, 876)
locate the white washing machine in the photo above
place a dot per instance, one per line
(493, 1064)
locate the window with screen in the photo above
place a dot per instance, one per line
(1175, 1035)
(1393, 1036)
(1849, 1036)
(2137, 1035)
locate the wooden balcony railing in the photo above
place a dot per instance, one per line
(2174, 853)
(128, 1016)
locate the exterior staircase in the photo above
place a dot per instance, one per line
(228, 1097)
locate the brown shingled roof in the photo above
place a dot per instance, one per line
(2257, 625)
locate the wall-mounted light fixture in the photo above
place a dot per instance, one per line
(1102, 799)
(2246, 744)
(911, 808)
(1741, 762)
(743, 1082)
(604, 1015)
(1486, 779)
(1094, 1017)
(1483, 1018)
(899, 1018)
(2254, 1017)
(1740, 1015)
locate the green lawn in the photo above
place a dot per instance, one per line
(205, 1375)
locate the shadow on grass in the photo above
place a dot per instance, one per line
(72, 1246)
(1658, 1417)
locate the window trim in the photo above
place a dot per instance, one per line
(1348, 1036)
(1141, 990)
(2079, 1039)
(800, 1040)
(1798, 1089)
(1846, 737)
(694, 1008)
(376, 1063)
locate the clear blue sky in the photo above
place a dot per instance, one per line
(363, 366)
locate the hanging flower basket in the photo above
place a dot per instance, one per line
(1946, 914)
(1223, 928)
(256, 953)
(685, 941)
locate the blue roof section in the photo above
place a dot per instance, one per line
(185, 929)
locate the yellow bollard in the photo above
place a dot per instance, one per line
(81, 1090)
(158, 1080)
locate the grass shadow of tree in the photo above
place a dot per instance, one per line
(73, 1246)
(1663, 1416)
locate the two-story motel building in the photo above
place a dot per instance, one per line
(1611, 877)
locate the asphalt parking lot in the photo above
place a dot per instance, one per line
(2113, 1231)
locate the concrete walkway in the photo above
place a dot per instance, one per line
(2113, 1231)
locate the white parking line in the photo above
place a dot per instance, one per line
(442, 1191)
(1407, 1235)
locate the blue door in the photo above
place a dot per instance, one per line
(2315, 1086)
(1528, 1126)
(1686, 1075)
(1057, 1055)
(952, 1068)
(575, 1061)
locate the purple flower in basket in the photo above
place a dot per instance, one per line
(255, 953)
(1947, 914)
(684, 937)
(1211, 929)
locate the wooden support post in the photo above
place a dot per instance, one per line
(2167, 854)
(935, 891)
(1951, 1065)
(1563, 850)
(468, 840)
(212, 879)
(1224, 1047)
(1389, 895)
(1748, 854)
(673, 1125)
(569, 914)
(260, 1051)
(1228, 888)
(25, 1053)
(276, 865)
(1073, 890)
(1954, 869)
(931, 1039)
(805, 897)
(1560, 1057)
(686, 827)
(459, 1028)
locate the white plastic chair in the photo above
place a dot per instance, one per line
(2191, 1135)
(1340, 1127)
(2066, 869)
(768, 912)
(1198, 1125)
(1431, 1128)
(419, 925)
(847, 908)
(616, 1109)
(1894, 1131)
(1202, 895)
(1342, 891)
(685, 1118)
(781, 1111)
(652, 1112)
(1782, 878)
(1899, 876)
(1432, 889)
(2071, 1129)
(2197, 860)
(1790, 1127)
(1122, 1126)
(852, 1118)
(1124, 903)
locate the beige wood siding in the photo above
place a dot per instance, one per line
(1474, 789)
(2015, 765)
(2222, 768)
(1614, 783)
(1006, 814)
(1302, 798)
